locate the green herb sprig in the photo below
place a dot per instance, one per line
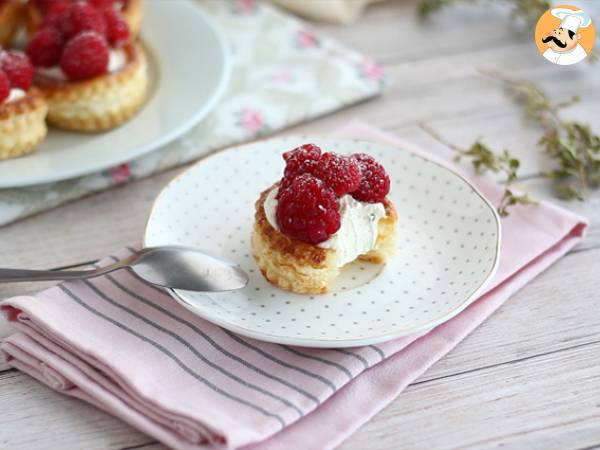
(573, 146)
(484, 160)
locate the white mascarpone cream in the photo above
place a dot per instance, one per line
(14, 95)
(358, 230)
(117, 59)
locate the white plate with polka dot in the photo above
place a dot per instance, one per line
(448, 245)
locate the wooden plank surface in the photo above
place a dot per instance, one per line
(527, 378)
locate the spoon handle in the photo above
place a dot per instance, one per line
(17, 275)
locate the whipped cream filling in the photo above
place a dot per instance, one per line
(358, 230)
(117, 59)
(15, 94)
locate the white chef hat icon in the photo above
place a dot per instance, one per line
(572, 20)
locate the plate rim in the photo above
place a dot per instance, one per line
(183, 127)
(341, 343)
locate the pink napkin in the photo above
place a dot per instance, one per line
(127, 348)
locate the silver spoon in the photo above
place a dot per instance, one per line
(167, 266)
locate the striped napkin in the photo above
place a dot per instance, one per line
(128, 348)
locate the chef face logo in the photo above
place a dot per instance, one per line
(565, 35)
(561, 40)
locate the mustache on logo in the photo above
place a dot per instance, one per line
(555, 40)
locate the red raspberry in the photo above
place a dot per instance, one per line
(4, 87)
(102, 4)
(284, 183)
(340, 172)
(53, 15)
(375, 184)
(117, 30)
(17, 68)
(44, 5)
(55, 9)
(85, 56)
(79, 17)
(301, 159)
(308, 210)
(45, 47)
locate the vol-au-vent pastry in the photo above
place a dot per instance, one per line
(327, 211)
(22, 107)
(92, 74)
(37, 11)
(10, 19)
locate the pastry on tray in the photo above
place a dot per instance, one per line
(91, 73)
(38, 11)
(22, 107)
(327, 211)
(10, 19)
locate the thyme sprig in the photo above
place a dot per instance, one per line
(572, 146)
(485, 160)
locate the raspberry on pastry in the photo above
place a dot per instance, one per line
(93, 78)
(10, 19)
(45, 47)
(18, 69)
(39, 13)
(308, 209)
(80, 17)
(341, 172)
(375, 183)
(117, 30)
(23, 108)
(301, 159)
(85, 56)
(327, 211)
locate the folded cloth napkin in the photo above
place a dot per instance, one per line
(128, 348)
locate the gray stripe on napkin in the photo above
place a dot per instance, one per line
(173, 357)
(192, 349)
(214, 344)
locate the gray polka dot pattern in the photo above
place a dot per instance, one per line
(448, 239)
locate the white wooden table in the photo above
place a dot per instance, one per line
(528, 378)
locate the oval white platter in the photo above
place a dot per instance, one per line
(189, 68)
(448, 248)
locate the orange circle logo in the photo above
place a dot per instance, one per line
(565, 35)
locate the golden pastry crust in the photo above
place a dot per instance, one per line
(133, 15)
(304, 268)
(100, 103)
(10, 19)
(22, 124)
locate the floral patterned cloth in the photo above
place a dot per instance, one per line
(283, 74)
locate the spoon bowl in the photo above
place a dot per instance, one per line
(187, 269)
